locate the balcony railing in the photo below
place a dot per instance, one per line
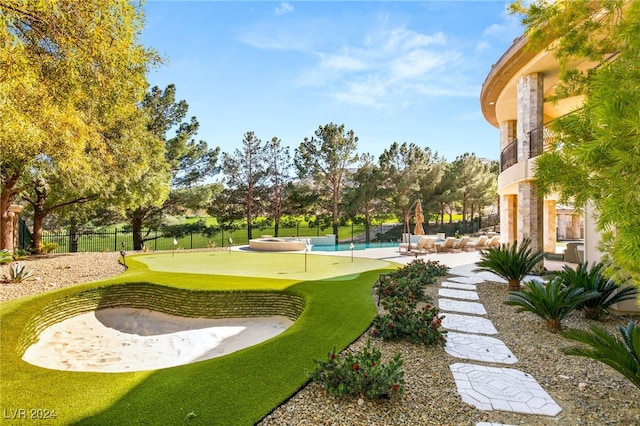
(540, 140)
(509, 155)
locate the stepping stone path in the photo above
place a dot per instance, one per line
(486, 388)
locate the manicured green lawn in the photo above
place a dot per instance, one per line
(237, 389)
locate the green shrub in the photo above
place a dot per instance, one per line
(49, 247)
(511, 262)
(552, 301)
(361, 373)
(404, 322)
(621, 355)
(5, 256)
(404, 289)
(420, 269)
(593, 279)
(17, 274)
(20, 254)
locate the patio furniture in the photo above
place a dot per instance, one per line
(481, 244)
(449, 246)
(425, 245)
(571, 253)
(463, 244)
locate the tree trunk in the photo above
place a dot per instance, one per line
(39, 214)
(367, 227)
(136, 227)
(7, 196)
(514, 285)
(74, 237)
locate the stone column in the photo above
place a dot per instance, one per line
(530, 117)
(550, 226)
(530, 215)
(530, 112)
(508, 218)
(576, 226)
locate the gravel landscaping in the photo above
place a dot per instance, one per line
(589, 392)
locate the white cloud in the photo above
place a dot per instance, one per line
(283, 8)
(388, 68)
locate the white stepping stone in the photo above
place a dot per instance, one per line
(468, 324)
(502, 389)
(461, 306)
(458, 294)
(491, 424)
(466, 280)
(459, 286)
(478, 348)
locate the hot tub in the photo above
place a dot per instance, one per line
(276, 244)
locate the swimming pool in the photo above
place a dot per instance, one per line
(356, 246)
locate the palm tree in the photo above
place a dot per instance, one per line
(609, 292)
(621, 355)
(552, 301)
(511, 262)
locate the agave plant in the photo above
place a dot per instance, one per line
(552, 301)
(621, 355)
(609, 292)
(511, 262)
(17, 273)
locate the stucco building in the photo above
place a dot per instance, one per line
(515, 99)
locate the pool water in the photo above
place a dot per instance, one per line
(356, 246)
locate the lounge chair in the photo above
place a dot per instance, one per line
(449, 246)
(463, 245)
(494, 242)
(425, 245)
(481, 244)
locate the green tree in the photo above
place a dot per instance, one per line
(325, 158)
(477, 185)
(245, 174)
(174, 182)
(364, 195)
(69, 71)
(596, 147)
(402, 167)
(53, 192)
(278, 162)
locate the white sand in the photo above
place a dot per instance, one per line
(125, 339)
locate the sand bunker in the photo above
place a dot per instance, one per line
(125, 339)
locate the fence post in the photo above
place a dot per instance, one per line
(115, 239)
(222, 238)
(191, 240)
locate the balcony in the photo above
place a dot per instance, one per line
(540, 140)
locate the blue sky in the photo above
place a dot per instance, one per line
(397, 71)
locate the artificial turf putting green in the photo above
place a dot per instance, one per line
(237, 389)
(290, 266)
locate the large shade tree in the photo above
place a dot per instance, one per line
(403, 166)
(278, 162)
(596, 148)
(69, 71)
(325, 158)
(175, 181)
(365, 193)
(245, 174)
